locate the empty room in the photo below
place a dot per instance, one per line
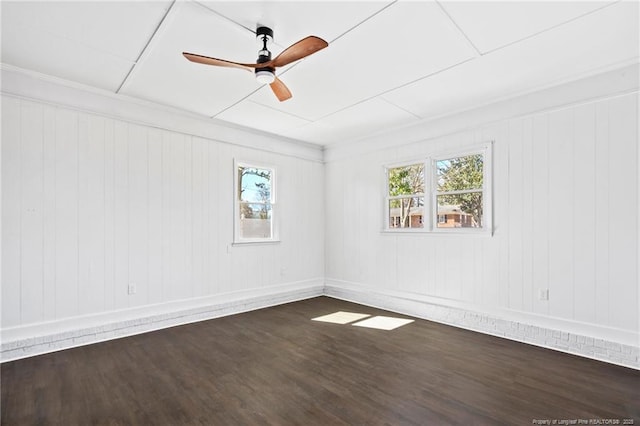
(320, 212)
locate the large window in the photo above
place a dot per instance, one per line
(445, 193)
(255, 203)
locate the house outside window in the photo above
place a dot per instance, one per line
(255, 206)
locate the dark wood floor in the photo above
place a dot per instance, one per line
(275, 366)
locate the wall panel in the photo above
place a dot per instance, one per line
(66, 214)
(11, 212)
(138, 215)
(561, 213)
(154, 216)
(31, 223)
(91, 214)
(540, 212)
(584, 223)
(623, 222)
(49, 217)
(121, 215)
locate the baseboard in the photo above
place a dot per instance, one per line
(41, 338)
(566, 336)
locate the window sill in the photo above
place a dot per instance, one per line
(444, 232)
(254, 242)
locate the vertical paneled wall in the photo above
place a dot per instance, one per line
(92, 204)
(565, 219)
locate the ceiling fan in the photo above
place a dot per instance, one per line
(265, 67)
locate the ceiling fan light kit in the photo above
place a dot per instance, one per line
(265, 75)
(265, 67)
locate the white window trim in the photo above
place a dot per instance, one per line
(275, 214)
(430, 202)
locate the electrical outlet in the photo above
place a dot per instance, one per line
(132, 288)
(543, 294)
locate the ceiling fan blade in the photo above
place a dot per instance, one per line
(280, 90)
(218, 62)
(299, 50)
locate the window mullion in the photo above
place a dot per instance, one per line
(461, 191)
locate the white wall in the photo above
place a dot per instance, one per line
(565, 218)
(92, 203)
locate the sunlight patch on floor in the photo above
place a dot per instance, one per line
(379, 322)
(383, 323)
(341, 317)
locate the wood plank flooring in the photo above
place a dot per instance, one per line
(277, 367)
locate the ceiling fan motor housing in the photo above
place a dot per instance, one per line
(263, 32)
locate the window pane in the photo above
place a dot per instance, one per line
(406, 180)
(460, 210)
(255, 220)
(460, 173)
(406, 212)
(254, 184)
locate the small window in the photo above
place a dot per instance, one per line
(405, 196)
(255, 203)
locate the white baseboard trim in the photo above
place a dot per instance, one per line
(41, 338)
(560, 337)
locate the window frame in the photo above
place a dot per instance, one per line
(237, 237)
(430, 224)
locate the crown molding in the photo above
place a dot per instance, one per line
(615, 80)
(31, 85)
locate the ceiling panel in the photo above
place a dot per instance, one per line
(605, 38)
(253, 115)
(61, 57)
(294, 20)
(366, 118)
(165, 76)
(120, 29)
(78, 41)
(316, 132)
(405, 42)
(492, 24)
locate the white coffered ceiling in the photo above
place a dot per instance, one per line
(389, 63)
